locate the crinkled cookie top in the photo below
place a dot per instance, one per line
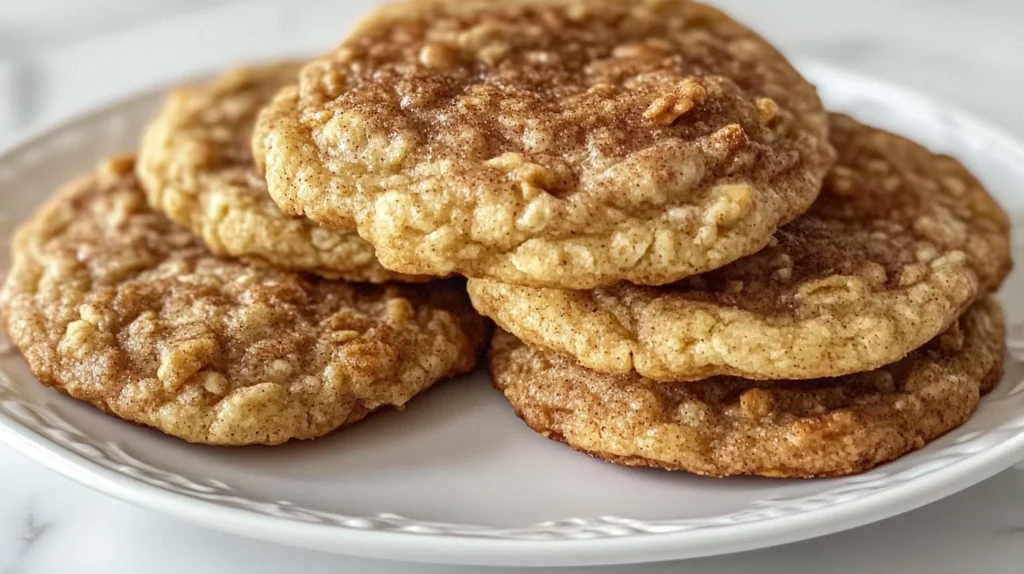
(550, 142)
(113, 304)
(728, 426)
(196, 166)
(899, 243)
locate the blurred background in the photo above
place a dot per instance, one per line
(61, 57)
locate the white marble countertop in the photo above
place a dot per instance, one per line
(60, 57)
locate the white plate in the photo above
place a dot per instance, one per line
(457, 478)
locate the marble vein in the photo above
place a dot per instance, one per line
(33, 530)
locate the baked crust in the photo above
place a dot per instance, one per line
(784, 429)
(561, 143)
(112, 304)
(196, 166)
(899, 243)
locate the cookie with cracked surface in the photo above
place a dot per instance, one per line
(112, 304)
(565, 143)
(729, 426)
(899, 243)
(196, 166)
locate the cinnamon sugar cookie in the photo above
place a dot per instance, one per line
(900, 242)
(728, 426)
(196, 166)
(112, 304)
(566, 143)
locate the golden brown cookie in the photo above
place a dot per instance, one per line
(900, 242)
(565, 143)
(196, 166)
(728, 426)
(114, 305)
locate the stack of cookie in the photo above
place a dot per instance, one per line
(694, 264)
(170, 291)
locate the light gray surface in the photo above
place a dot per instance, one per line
(57, 58)
(969, 52)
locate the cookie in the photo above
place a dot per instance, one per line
(196, 166)
(900, 242)
(562, 143)
(729, 426)
(112, 304)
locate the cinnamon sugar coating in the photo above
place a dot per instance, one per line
(899, 243)
(112, 304)
(729, 426)
(196, 166)
(568, 143)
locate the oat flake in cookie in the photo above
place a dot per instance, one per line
(729, 426)
(566, 143)
(196, 167)
(900, 242)
(112, 304)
